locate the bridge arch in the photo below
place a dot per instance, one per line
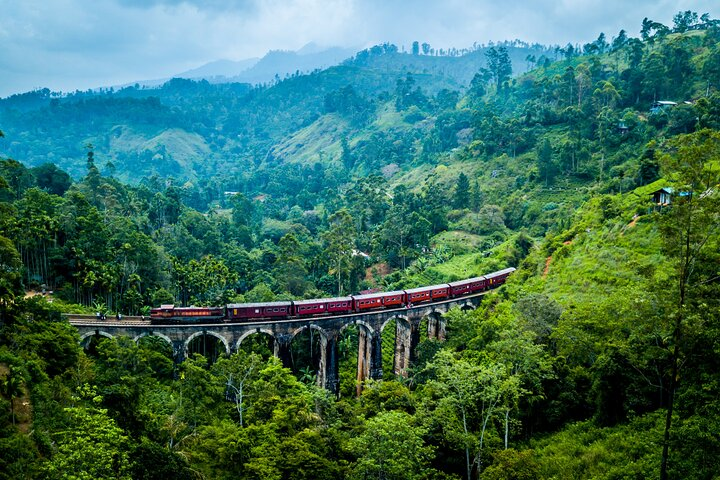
(245, 335)
(311, 326)
(367, 326)
(404, 318)
(224, 341)
(100, 333)
(467, 307)
(153, 334)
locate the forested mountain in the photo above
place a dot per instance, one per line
(193, 129)
(598, 359)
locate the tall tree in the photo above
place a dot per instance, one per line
(415, 48)
(690, 231)
(499, 65)
(545, 165)
(461, 197)
(339, 247)
(683, 21)
(390, 448)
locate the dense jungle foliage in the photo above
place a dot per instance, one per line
(598, 359)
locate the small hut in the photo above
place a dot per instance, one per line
(662, 197)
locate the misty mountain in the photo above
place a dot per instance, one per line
(275, 64)
(219, 69)
(281, 63)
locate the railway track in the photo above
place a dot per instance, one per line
(84, 319)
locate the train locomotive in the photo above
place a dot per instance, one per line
(319, 307)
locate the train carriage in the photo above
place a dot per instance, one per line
(498, 278)
(162, 312)
(245, 311)
(427, 294)
(379, 300)
(438, 292)
(394, 299)
(321, 306)
(466, 287)
(417, 295)
(192, 314)
(367, 301)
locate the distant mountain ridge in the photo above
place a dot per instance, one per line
(186, 128)
(275, 64)
(219, 69)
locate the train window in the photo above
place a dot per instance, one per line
(321, 307)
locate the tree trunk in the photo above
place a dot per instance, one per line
(507, 427)
(467, 449)
(677, 337)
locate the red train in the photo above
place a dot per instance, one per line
(239, 312)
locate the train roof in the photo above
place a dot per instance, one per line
(378, 295)
(424, 289)
(322, 300)
(460, 283)
(500, 272)
(260, 304)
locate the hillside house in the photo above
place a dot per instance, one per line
(661, 106)
(662, 197)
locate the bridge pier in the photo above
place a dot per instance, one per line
(436, 326)
(364, 358)
(369, 357)
(179, 352)
(403, 340)
(376, 370)
(281, 349)
(414, 338)
(328, 372)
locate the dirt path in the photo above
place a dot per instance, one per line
(548, 260)
(547, 266)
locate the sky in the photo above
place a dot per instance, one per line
(67, 45)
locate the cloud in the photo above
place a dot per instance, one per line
(79, 44)
(218, 5)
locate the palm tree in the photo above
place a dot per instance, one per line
(12, 388)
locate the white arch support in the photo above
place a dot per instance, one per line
(253, 332)
(212, 334)
(153, 334)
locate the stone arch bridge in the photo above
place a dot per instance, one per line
(231, 335)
